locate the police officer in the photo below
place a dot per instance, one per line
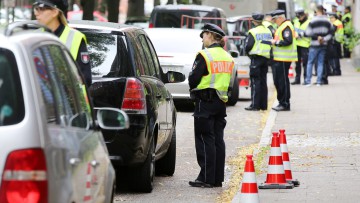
(285, 52)
(258, 49)
(335, 45)
(347, 22)
(267, 22)
(51, 14)
(209, 81)
(303, 44)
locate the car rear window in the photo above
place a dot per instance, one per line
(171, 18)
(12, 109)
(108, 54)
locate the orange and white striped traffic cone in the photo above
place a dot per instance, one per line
(275, 178)
(291, 72)
(249, 190)
(87, 196)
(286, 159)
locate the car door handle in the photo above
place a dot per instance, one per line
(74, 161)
(94, 163)
(158, 96)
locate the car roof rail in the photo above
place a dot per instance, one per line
(24, 25)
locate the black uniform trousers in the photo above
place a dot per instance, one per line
(259, 90)
(209, 124)
(334, 58)
(280, 72)
(303, 55)
(347, 53)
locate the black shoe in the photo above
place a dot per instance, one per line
(218, 185)
(198, 183)
(281, 108)
(250, 108)
(295, 83)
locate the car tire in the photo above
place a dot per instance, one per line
(166, 165)
(233, 99)
(143, 176)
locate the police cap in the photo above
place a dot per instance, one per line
(257, 16)
(300, 12)
(209, 27)
(62, 5)
(277, 13)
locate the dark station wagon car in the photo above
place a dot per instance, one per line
(127, 75)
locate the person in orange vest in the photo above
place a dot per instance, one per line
(285, 52)
(52, 13)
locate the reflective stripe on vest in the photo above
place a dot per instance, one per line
(339, 33)
(302, 41)
(285, 53)
(261, 33)
(220, 66)
(72, 40)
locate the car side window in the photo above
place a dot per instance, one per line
(140, 59)
(62, 95)
(149, 59)
(154, 56)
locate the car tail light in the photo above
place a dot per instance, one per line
(151, 25)
(244, 83)
(134, 97)
(24, 178)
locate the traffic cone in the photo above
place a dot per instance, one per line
(291, 72)
(275, 178)
(249, 190)
(286, 159)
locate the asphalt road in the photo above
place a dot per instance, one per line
(243, 129)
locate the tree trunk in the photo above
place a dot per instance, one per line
(136, 9)
(156, 2)
(88, 9)
(113, 10)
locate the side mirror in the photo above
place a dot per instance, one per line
(234, 53)
(174, 77)
(112, 119)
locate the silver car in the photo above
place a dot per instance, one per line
(177, 49)
(51, 145)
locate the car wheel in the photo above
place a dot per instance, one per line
(166, 165)
(143, 176)
(233, 99)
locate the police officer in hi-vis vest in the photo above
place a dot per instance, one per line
(347, 23)
(52, 13)
(334, 48)
(285, 52)
(303, 44)
(209, 82)
(257, 47)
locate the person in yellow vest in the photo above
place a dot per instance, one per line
(303, 45)
(257, 47)
(209, 82)
(52, 14)
(347, 23)
(334, 10)
(335, 45)
(285, 52)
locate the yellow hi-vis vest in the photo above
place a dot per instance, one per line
(348, 25)
(339, 34)
(72, 40)
(303, 41)
(220, 65)
(261, 33)
(285, 53)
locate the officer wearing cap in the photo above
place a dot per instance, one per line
(257, 47)
(209, 82)
(334, 49)
(303, 44)
(267, 22)
(52, 14)
(285, 52)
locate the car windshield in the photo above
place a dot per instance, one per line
(108, 54)
(11, 97)
(189, 45)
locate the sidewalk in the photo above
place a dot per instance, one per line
(323, 139)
